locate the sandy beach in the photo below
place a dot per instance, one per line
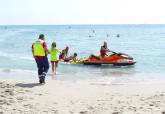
(107, 57)
(58, 97)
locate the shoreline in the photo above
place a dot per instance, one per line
(85, 79)
(59, 97)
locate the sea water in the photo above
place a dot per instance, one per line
(145, 43)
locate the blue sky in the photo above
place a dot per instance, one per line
(45, 12)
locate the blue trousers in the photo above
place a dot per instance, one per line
(43, 66)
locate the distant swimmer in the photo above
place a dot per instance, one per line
(107, 35)
(118, 35)
(90, 36)
(93, 31)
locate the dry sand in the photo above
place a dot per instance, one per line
(56, 97)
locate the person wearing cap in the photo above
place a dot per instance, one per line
(40, 52)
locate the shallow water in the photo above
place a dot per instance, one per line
(145, 43)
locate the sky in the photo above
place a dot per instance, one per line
(60, 12)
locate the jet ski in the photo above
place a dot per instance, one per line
(116, 59)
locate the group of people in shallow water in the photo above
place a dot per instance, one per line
(40, 52)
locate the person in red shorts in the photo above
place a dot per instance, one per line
(103, 51)
(64, 53)
(54, 52)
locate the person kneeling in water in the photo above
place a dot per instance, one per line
(71, 58)
(64, 53)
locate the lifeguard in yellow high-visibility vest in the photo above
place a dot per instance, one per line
(54, 52)
(40, 51)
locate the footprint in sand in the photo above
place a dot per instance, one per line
(2, 96)
(19, 98)
(83, 112)
(71, 112)
(9, 92)
(54, 111)
(115, 112)
(163, 112)
(151, 105)
(90, 108)
(55, 103)
(2, 101)
(11, 101)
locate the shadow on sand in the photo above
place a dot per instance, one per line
(29, 85)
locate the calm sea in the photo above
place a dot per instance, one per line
(145, 43)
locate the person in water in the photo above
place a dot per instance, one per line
(54, 52)
(40, 52)
(103, 51)
(64, 53)
(118, 35)
(71, 58)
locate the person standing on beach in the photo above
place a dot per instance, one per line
(40, 51)
(54, 52)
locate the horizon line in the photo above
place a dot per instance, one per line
(78, 24)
